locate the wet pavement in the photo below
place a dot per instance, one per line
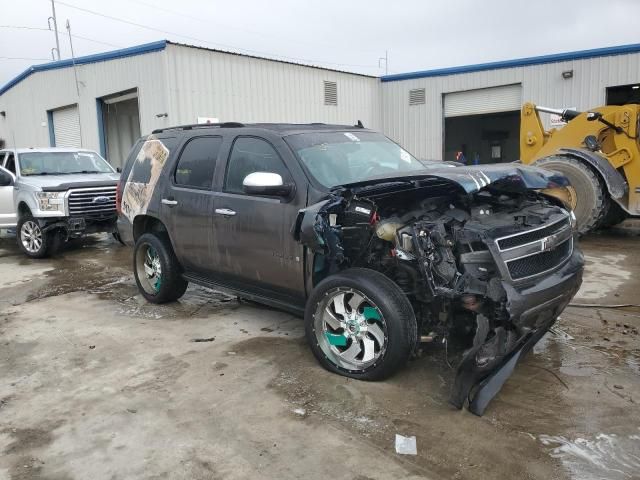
(99, 384)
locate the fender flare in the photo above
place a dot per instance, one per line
(613, 179)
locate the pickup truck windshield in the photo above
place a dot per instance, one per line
(338, 158)
(62, 163)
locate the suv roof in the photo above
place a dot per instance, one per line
(280, 128)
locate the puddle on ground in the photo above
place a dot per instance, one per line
(610, 456)
(606, 274)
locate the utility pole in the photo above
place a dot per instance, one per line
(55, 29)
(73, 57)
(384, 59)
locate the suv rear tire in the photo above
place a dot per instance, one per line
(157, 270)
(32, 240)
(360, 324)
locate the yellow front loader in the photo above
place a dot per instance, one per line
(598, 150)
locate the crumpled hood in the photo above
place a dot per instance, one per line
(63, 182)
(512, 177)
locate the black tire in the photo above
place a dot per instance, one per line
(391, 302)
(614, 215)
(28, 228)
(169, 285)
(592, 198)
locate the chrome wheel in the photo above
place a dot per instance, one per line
(349, 329)
(149, 269)
(31, 236)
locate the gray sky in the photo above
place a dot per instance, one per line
(347, 35)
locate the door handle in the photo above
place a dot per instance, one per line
(170, 202)
(225, 211)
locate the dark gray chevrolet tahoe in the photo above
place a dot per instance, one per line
(379, 250)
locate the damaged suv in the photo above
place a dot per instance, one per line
(379, 250)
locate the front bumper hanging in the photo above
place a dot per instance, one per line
(533, 311)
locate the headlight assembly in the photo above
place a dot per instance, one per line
(50, 201)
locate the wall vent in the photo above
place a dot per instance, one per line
(417, 96)
(330, 93)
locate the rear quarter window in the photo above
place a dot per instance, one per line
(145, 165)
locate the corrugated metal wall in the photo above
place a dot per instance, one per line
(231, 87)
(420, 128)
(26, 104)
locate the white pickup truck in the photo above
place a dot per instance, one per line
(52, 194)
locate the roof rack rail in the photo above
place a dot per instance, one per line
(200, 125)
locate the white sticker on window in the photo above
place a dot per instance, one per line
(351, 137)
(404, 156)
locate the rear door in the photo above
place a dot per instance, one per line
(186, 205)
(254, 248)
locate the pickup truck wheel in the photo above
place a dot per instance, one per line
(359, 324)
(32, 240)
(157, 270)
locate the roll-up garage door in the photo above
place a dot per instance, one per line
(66, 127)
(484, 100)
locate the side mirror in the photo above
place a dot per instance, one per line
(119, 170)
(266, 183)
(6, 178)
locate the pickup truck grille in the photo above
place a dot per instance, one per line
(536, 251)
(98, 202)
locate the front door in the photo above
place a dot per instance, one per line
(8, 217)
(187, 202)
(254, 246)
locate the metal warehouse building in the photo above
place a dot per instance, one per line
(105, 101)
(476, 109)
(121, 94)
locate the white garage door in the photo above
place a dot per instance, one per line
(66, 127)
(483, 100)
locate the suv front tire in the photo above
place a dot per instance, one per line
(157, 270)
(360, 324)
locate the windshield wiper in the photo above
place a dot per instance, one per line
(86, 171)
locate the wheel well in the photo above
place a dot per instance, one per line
(146, 224)
(23, 209)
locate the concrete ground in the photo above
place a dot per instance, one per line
(98, 384)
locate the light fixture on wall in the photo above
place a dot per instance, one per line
(3, 113)
(567, 74)
(160, 115)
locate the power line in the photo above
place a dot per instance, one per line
(210, 22)
(23, 58)
(195, 39)
(22, 27)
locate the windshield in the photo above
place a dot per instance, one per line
(62, 163)
(338, 158)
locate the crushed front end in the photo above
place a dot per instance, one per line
(496, 266)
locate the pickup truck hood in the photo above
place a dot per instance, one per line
(511, 177)
(55, 183)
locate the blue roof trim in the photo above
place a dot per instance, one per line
(519, 62)
(98, 57)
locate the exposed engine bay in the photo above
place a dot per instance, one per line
(464, 260)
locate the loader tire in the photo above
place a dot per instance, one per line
(592, 199)
(614, 216)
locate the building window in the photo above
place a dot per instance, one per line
(330, 93)
(417, 96)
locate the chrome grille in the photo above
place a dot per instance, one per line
(538, 250)
(533, 235)
(540, 262)
(92, 202)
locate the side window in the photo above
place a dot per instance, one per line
(197, 162)
(250, 155)
(10, 163)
